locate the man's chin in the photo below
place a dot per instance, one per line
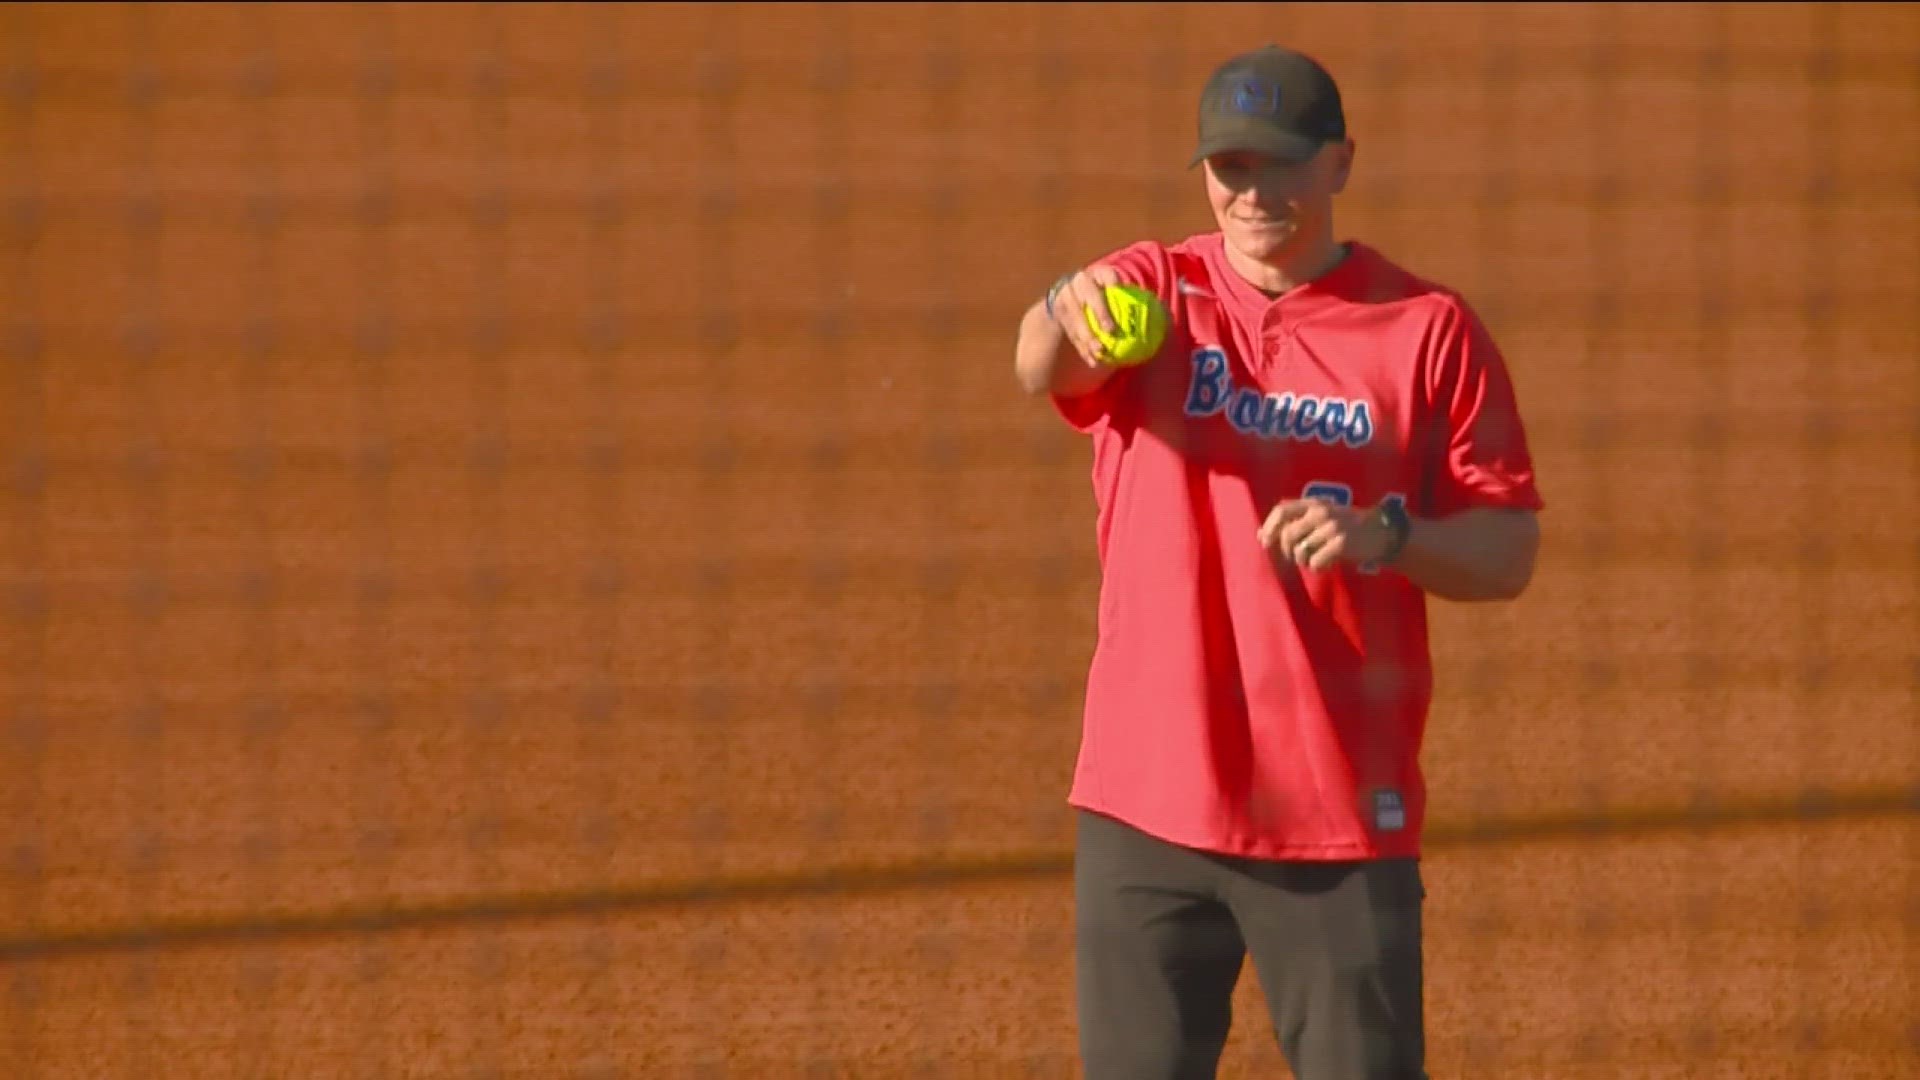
(1265, 245)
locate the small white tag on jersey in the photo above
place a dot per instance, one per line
(1389, 811)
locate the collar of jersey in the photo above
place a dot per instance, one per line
(1346, 281)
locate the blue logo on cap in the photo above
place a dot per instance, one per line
(1255, 98)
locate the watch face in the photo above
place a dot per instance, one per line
(1398, 523)
(1396, 516)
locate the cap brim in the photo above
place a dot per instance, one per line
(1258, 138)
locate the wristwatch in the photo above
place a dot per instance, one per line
(1393, 515)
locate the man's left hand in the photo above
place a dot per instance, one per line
(1316, 534)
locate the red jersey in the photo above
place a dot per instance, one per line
(1232, 705)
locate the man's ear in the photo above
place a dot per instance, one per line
(1343, 168)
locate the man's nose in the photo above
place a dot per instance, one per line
(1273, 192)
(1260, 195)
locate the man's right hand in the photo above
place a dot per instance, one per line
(1057, 351)
(1085, 292)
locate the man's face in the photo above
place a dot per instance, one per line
(1269, 208)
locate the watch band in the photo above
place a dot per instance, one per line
(1393, 514)
(1054, 289)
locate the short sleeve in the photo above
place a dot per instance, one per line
(1147, 265)
(1484, 459)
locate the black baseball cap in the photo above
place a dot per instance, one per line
(1273, 101)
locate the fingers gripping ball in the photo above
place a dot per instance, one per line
(1140, 326)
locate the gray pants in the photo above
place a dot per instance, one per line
(1162, 932)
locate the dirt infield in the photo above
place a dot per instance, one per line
(523, 556)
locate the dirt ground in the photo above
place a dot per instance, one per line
(523, 556)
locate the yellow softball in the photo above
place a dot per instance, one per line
(1140, 326)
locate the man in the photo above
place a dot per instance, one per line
(1324, 440)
